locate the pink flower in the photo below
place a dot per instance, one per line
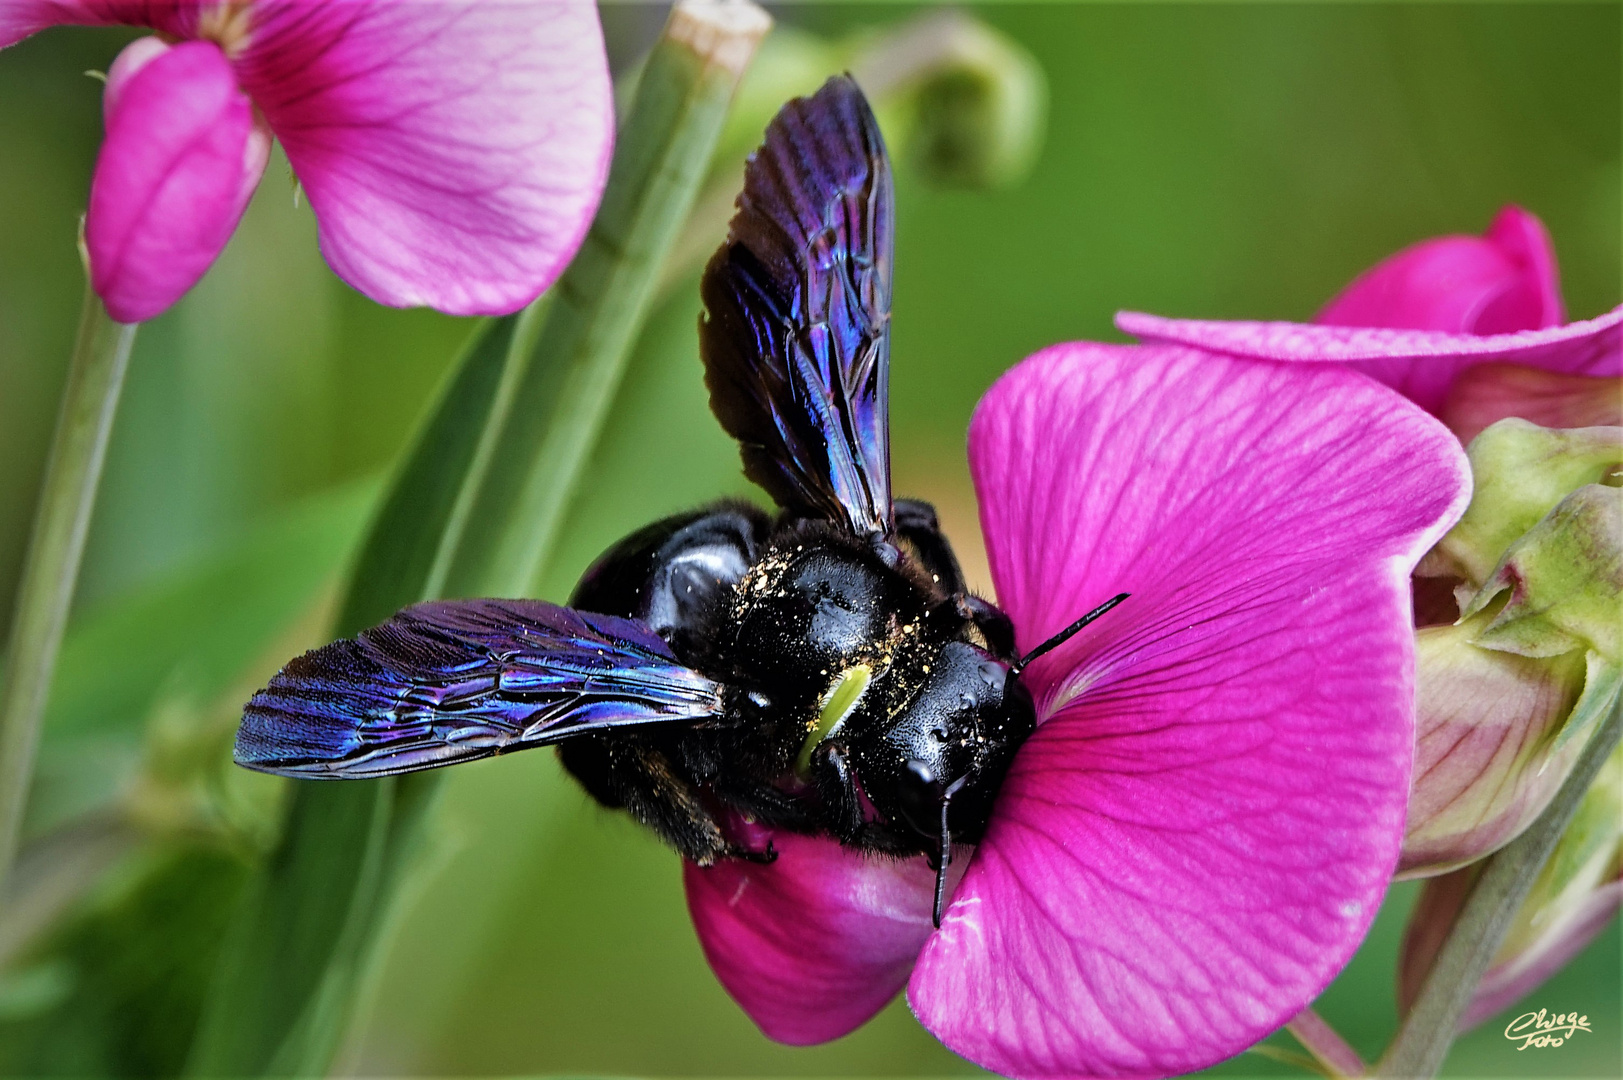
(1198, 834)
(1469, 328)
(453, 151)
(1472, 330)
(1498, 283)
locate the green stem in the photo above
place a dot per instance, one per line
(600, 303)
(1325, 1044)
(51, 568)
(519, 416)
(1290, 1057)
(53, 873)
(1423, 1040)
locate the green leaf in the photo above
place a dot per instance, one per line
(289, 968)
(410, 544)
(502, 451)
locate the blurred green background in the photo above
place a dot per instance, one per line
(1211, 160)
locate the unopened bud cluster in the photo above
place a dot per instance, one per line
(1508, 696)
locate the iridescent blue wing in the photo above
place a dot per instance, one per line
(451, 681)
(796, 340)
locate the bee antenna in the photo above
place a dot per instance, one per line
(1065, 635)
(946, 848)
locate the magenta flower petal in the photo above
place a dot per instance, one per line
(1197, 836)
(454, 153)
(1422, 365)
(134, 56)
(180, 161)
(20, 18)
(1523, 238)
(816, 942)
(1499, 283)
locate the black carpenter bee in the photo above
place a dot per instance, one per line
(822, 671)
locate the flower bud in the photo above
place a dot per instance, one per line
(1521, 472)
(964, 105)
(126, 65)
(1485, 760)
(1564, 580)
(1575, 895)
(968, 105)
(184, 151)
(1507, 696)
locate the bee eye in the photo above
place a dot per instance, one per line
(919, 797)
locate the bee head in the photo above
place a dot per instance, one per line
(945, 753)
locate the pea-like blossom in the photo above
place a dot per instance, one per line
(453, 151)
(1472, 329)
(1196, 837)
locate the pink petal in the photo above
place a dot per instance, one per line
(1420, 364)
(1523, 238)
(180, 161)
(1489, 393)
(815, 943)
(454, 153)
(1499, 283)
(20, 18)
(134, 56)
(1196, 838)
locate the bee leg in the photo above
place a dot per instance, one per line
(765, 858)
(715, 765)
(766, 804)
(995, 625)
(837, 786)
(624, 773)
(917, 526)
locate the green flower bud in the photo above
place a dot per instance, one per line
(1576, 894)
(1507, 696)
(1564, 578)
(1521, 471)
(965, 106)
